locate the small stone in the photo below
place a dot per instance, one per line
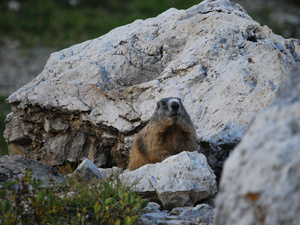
(88, 171)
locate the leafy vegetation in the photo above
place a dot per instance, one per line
(61, 23)
(23, 201)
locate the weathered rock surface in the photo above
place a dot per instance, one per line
(12, 166)
(111, 173)
(200, 214)
(261, 179)
(92, 98)
(180, 180)
(88, 171)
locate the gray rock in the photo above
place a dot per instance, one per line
(13, 166)
(261, 179)
(88, 171)
(92, 98)
(180, 180)
(111, 173)
(200, 214)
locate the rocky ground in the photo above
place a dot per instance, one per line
(188, 200)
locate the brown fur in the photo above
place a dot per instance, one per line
(162, 137)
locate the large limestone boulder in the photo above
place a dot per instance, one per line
(180, 180)
(92, 98)
(261, 179)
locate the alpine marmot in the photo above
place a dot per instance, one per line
(169, 131)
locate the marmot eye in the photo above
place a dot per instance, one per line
(163, 102)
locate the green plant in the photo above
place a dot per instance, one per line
(59, 23)
(23, 201)
(105, 202)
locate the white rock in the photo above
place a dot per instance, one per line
(180, 180)
(111, 173)
(261, 179)
(88, 170)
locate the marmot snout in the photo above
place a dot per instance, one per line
(168, 132)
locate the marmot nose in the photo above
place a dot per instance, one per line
(175, 106)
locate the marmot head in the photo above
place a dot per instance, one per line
(170, 108)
